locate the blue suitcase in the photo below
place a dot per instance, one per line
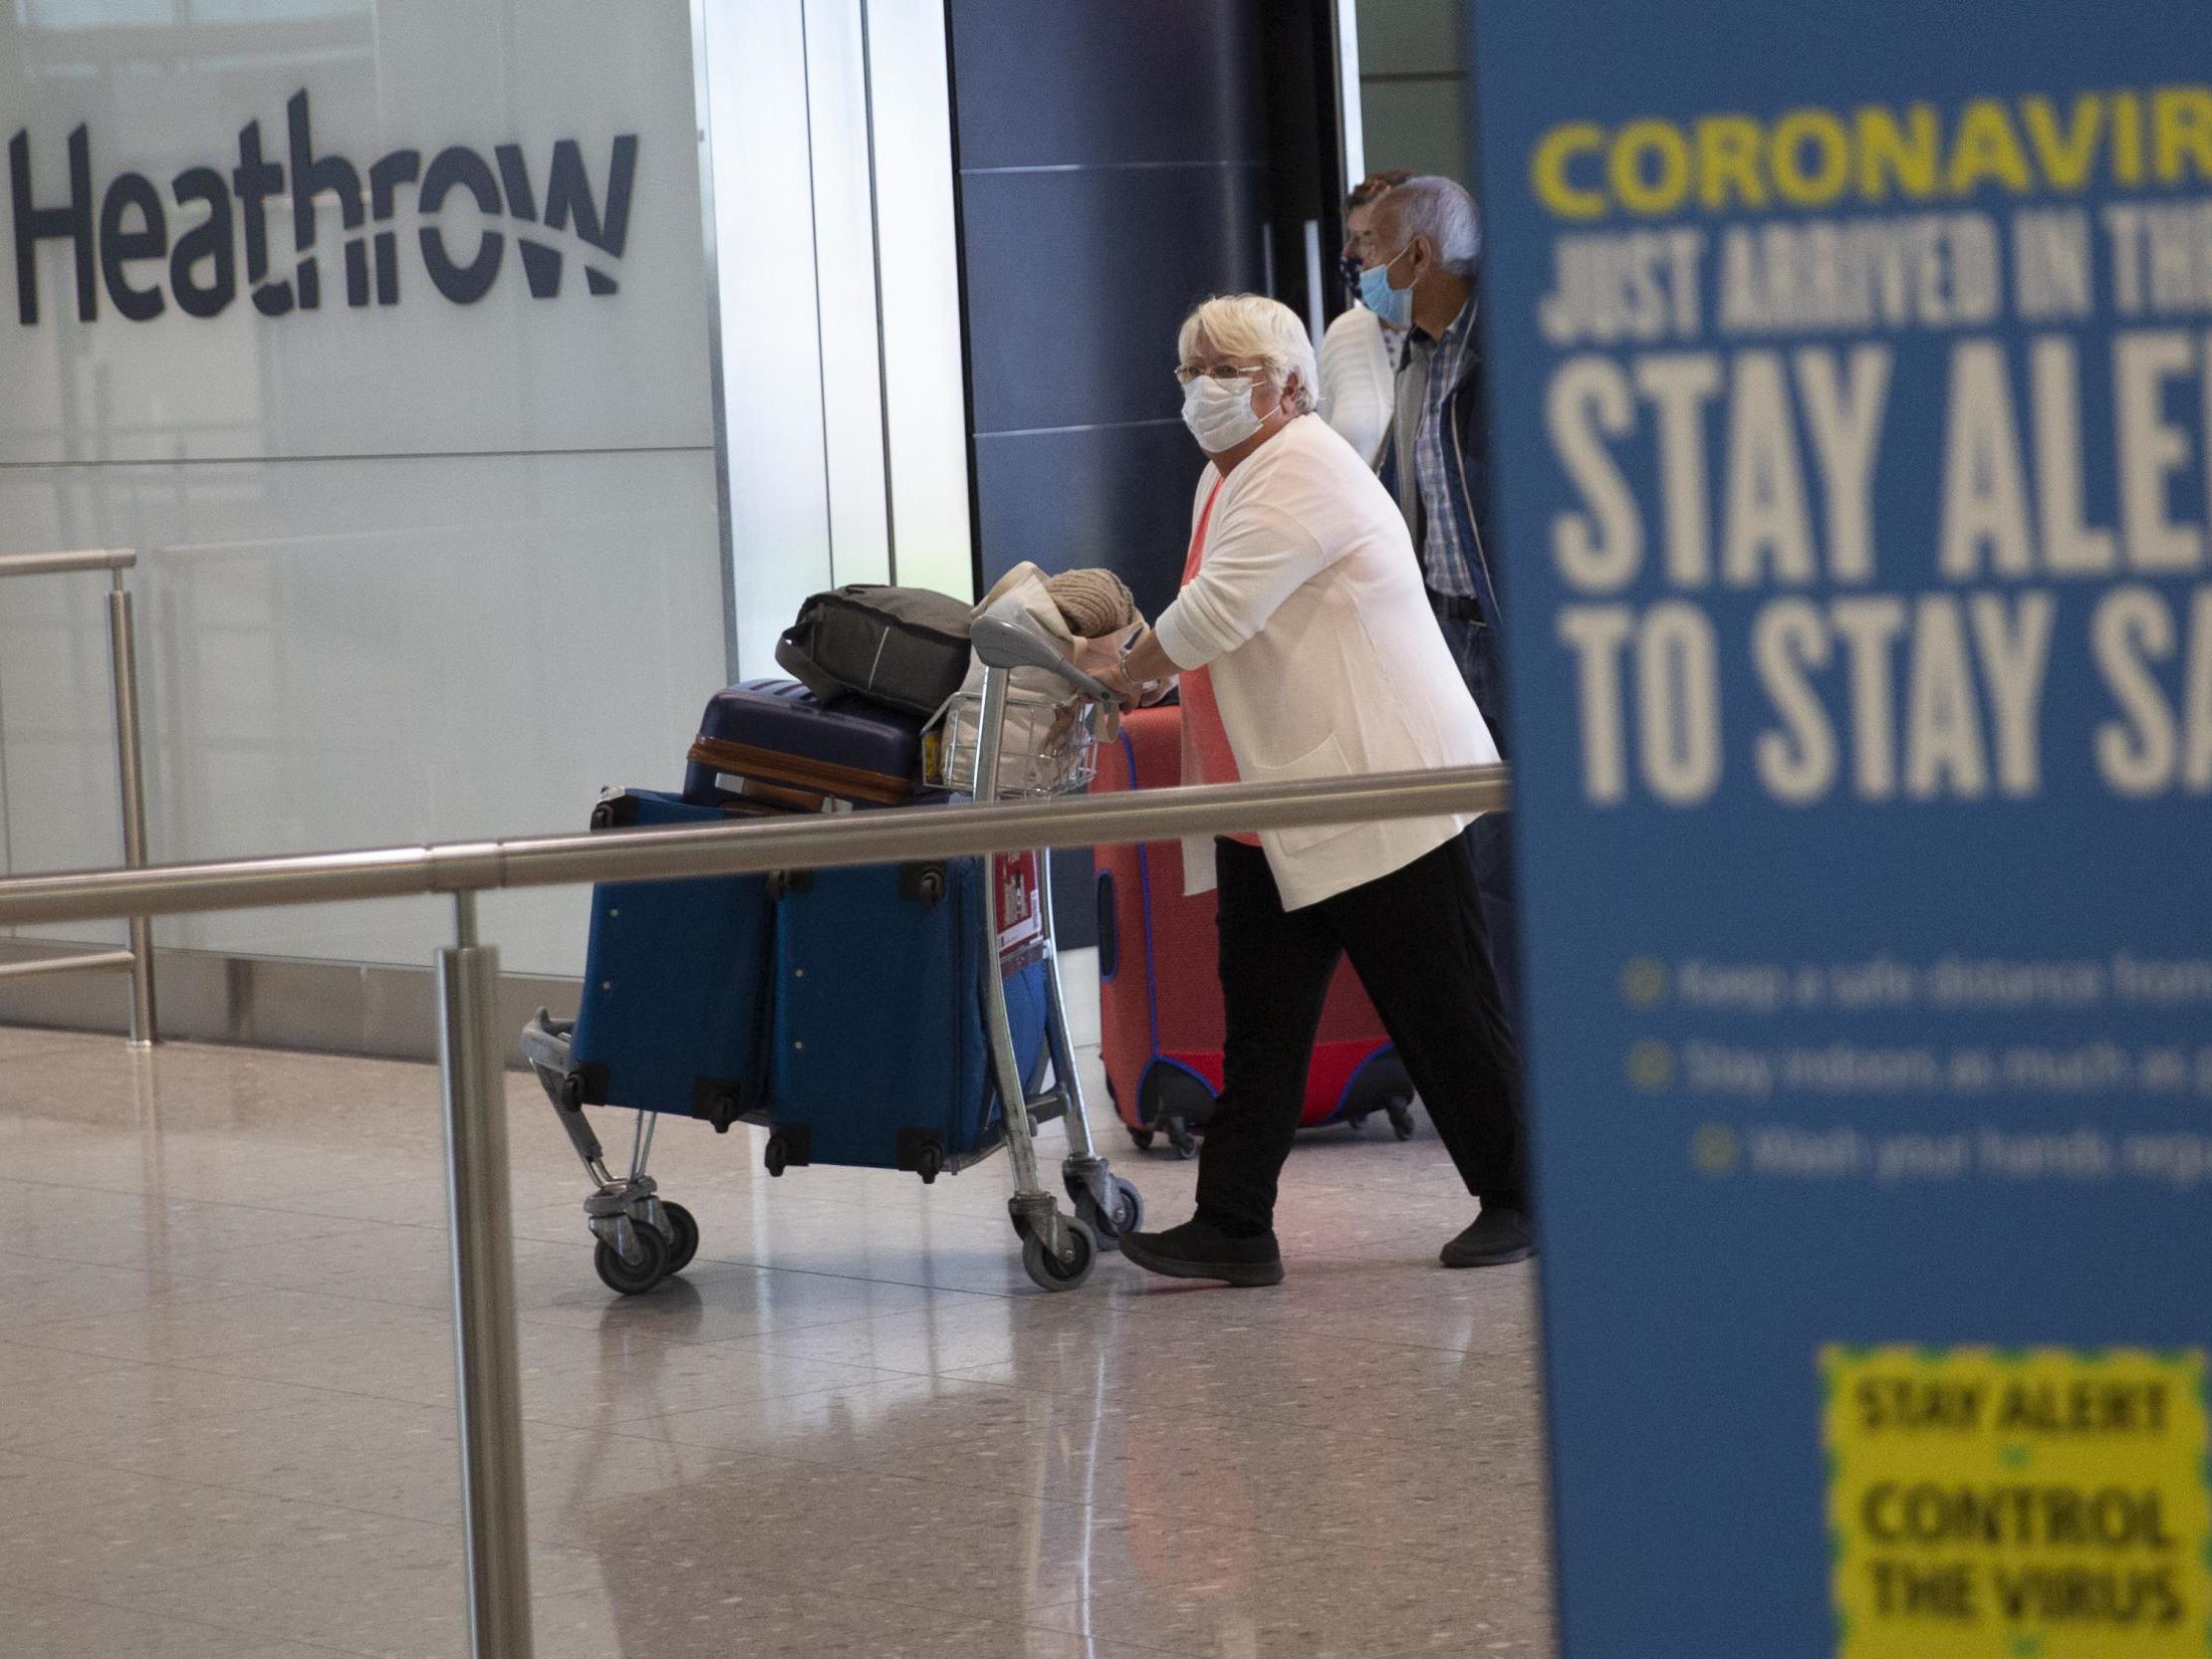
(773, 741)
(677, 983)
(880, 1058)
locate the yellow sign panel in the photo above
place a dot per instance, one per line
(2018, 1503)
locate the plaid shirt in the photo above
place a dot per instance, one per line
(1447, 561)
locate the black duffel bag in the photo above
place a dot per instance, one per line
(903, 647)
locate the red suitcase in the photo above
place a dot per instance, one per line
(1161, 996)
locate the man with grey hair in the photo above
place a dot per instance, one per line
(1436, 462)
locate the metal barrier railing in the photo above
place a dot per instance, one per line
(122, 652)
(477, 1198)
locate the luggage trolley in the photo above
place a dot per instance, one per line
(999, 742)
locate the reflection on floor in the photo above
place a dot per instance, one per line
(226, 1402)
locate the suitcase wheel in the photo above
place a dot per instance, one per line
(1401, 1119)
(1142, 1138)
(1181, 1138)
(778, 1155)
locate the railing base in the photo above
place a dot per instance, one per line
(370, 1011)
(83, 961)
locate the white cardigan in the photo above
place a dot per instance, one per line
(1327, 662)
(1358, 382)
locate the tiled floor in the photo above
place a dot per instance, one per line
(226, 1400)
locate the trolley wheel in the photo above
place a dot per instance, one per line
(1356, 1121)
(1128, 1211)
(1048, 1270)
(1123, 1210)
(1181, 1139)
(1142, 1138)
(634, 1280)
(1401, 1119)
(683, 1235)
(929, 1163)
(778, 1156)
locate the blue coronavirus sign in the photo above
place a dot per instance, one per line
(1850, 377)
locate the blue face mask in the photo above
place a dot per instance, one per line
(1394, 305)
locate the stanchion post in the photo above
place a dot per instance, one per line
(493, 1513)
(122, 650)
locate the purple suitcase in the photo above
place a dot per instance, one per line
(773, 741)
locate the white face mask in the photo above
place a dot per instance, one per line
(1219, 413)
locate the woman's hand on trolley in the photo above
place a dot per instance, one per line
(1128, 693)
(1142, 675)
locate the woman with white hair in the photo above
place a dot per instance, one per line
(1307, 649)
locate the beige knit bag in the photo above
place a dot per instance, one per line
(1092, 602)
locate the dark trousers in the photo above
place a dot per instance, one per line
(1473, 649)
(1415, 936)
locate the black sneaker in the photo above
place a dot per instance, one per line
(1198, 1250)
(1497, 1237)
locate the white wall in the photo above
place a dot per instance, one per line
(839, 302)
(429, 571)
(1414, 86)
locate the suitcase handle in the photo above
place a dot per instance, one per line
(1110, 954)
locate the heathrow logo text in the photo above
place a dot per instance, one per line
(126, 244)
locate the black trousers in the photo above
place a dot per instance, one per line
(1415, 936)
(1474, 650)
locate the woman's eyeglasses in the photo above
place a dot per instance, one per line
(1185, 372)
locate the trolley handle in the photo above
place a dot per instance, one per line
(1008, 644)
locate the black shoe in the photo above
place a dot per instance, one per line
(1497, 1237)
(1198, 1250)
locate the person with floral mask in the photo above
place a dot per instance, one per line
(1307, 649)
(1360, 353)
